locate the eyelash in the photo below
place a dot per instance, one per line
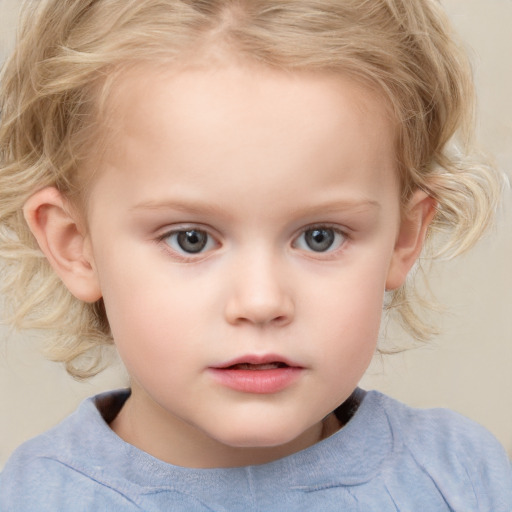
(210, 243)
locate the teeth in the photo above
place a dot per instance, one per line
(265, 366)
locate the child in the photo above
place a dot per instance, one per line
(225, 190)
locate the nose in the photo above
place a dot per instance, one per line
(260, 293)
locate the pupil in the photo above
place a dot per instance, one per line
(192, 241)
(319, 239)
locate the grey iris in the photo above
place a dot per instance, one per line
(192, 241)
(319, 239)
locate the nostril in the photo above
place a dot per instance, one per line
(263, 305)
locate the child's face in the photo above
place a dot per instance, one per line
(243, 232)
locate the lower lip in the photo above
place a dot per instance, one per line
(257, 381)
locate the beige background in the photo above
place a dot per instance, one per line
(468, 368)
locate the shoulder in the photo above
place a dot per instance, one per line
(452, 449)
(54, 472)
(441, 430)
(30, 477)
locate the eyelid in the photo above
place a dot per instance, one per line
(169, 229)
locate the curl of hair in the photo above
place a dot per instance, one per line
(55, 84)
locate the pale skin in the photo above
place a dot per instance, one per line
(290, 181)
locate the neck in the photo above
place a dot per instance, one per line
(153, 430)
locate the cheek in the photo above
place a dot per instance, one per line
(132, 302)
(347, 316)
(155, 313)
(350, 296)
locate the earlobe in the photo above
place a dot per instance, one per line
(411, 237)
(59, 236)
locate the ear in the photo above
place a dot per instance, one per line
(413, 229)
(59, 236)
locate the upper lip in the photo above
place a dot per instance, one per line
(257, 359)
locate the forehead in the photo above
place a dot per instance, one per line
(238, 121)
(198, 87)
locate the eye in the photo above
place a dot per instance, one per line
(320, 239)
(189, 241)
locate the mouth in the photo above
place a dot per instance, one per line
(255, 367)
(257, 374)
(258, 362)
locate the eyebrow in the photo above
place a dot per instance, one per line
(354, 205)
(192, 207)
(180, 205)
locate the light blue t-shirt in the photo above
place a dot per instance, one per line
(388, 457)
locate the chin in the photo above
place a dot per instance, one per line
(258, 436)
(253, 440)
(258, 442)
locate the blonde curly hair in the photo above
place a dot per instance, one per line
(58, 78)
